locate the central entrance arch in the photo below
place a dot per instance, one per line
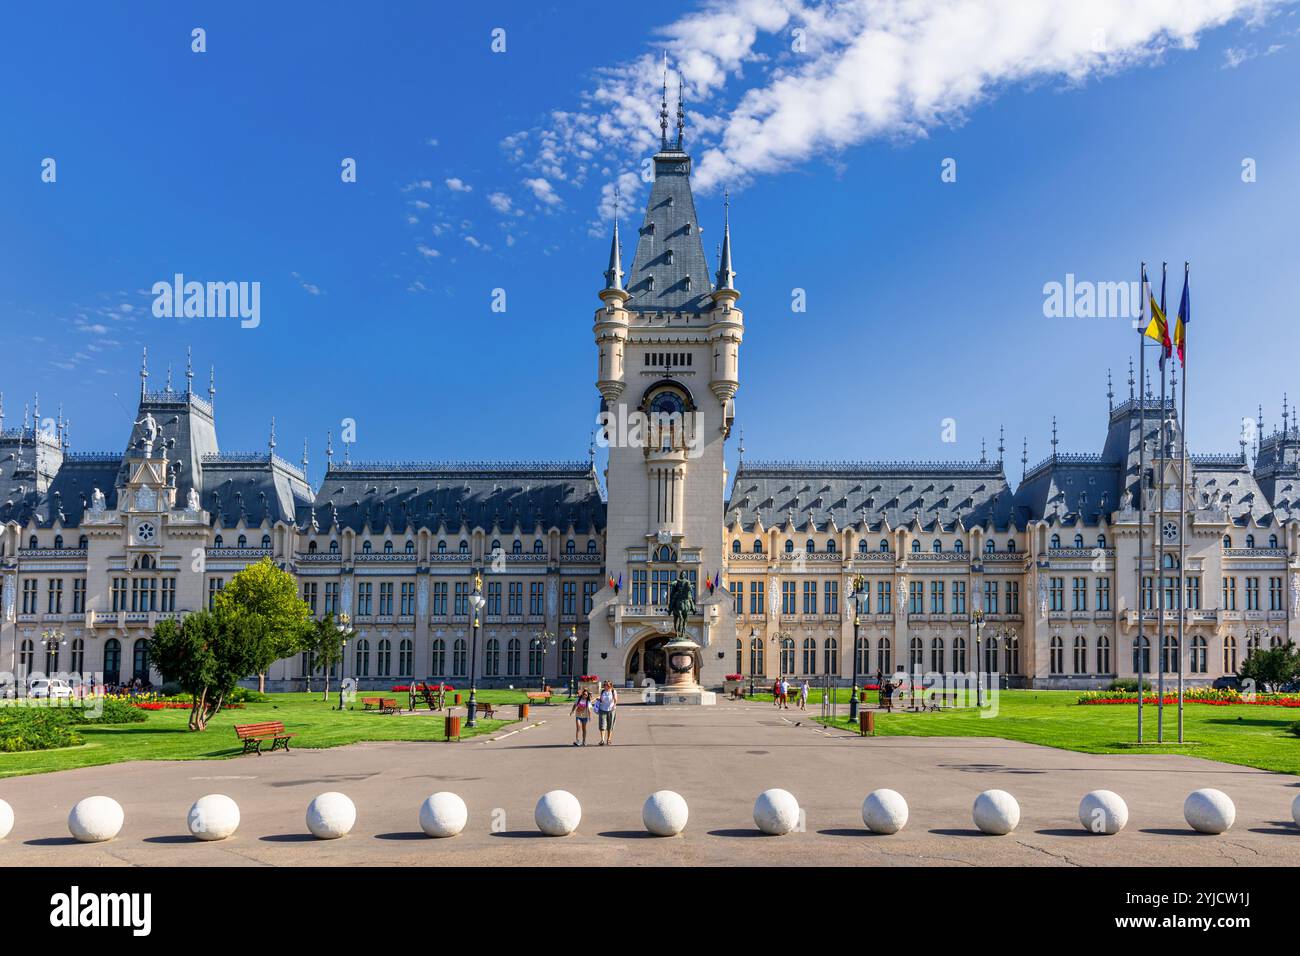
(648, 660)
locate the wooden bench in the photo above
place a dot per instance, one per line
(541, 696)
(484, 709)
(385, 705)
(254, 735)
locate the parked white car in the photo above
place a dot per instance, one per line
(54, 688)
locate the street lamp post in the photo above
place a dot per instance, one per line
(753, 634)
(343, 624)
(476, 604)
(977, 619)
(859, 582)
(573, 660)
(546, 639)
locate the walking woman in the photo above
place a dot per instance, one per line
(605, 708)
(581, 711)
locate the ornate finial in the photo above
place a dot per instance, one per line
(1110, 393)
(329, 449)
(144, 369)
(1024, 458)
(347, 452)
(741, 448)
(1148, 385)
(1053, 436)
(663, 108)
(1259, 428)
(1285, 414)
(983, 455)
(189, 370)
(726, 277)
(305, 460)
(169, 376)
(271, 443)
(2, 412)
(1130, 378)
(36, 413)
(58, 426)
(591, 449)
(1002, 444)
(681, 112)
(212, 386)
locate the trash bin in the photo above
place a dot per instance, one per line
(457, 700)
(523, 711)
(451, 727)
(867, 722)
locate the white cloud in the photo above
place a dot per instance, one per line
(501, 203)
(858, 70)
(430, 142)
(543, 191)
(427, 252)
(419, 203)
(458, 185)
(418, 184)
(309, 287)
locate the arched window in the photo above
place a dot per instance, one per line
(1200, 656)
(757, 664)
(936, 546)
(459, 658)
(1103, 655)
(51, 658)
(1056, 541)
(388, 547)
(959, 654)
(591, 546)
(1101, 541)
(758, 546)
(740, 656)
(958, 547)
(365, 547)
(884, 546)
(410, 547)
(363, 658)
(242, 542)
(31, 543)
(1272, 541)
(916, 547)
(1169, 561)
(916, 655)
(1169, 656)
(1227, 541)
(266, 542)
(26, 657)
(492, 658)
(1078, 541)
(571, 546)
(1013, 655)
(438, 657)
(1011, 545)
(83, 542)
(864, 656)
(990, 654)
(513, 649)
(809, 655)
(787, 655)
(1056, 662)
(1080, 654)
(862, 546)
(539, 546)
(665, 555)
(535, 657)
(496, 546)
(1250, 541)
(58, 540)
(831, 657)
(78, 662)
(384, 659)
(990, 546)
(830, 546)
(404, 658)
(442, 547)
(140, 659)
(936, 655)
(517, 547)
(1229, 655)
(884, 657)
(789, 547)
(810, 546)
(735, 546)
(464, 547)
(1142, 655)
(334, 547)
(112, 661)
(311, 547)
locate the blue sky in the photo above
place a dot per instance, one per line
(480, 170)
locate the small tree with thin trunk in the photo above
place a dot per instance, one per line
(207, 654)
(326, 647)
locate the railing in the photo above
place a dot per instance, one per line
(239, 554)
(384, 557)
(1254, 552)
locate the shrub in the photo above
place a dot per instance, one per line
(170, 689)
(30, 728)
(114, 712)
(246, 695)
(1128, 684)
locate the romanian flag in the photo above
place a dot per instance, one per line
(1158, 327)
(1184, 316)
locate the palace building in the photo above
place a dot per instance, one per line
(95, 549)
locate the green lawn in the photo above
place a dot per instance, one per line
(1249, 735)
(165, 735)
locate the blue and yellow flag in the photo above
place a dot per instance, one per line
(1184, 316)
(1158, 327)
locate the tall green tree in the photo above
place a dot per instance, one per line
(268, 597)
(1272, 668)
(207, 654)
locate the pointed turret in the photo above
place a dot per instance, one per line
(614, 274)
(726, 275)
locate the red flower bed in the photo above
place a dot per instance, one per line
(1173, 699)
(589, 679)
(406, 688)
(175, 705)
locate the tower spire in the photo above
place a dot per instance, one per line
(1053, 436)
(614, 274)
(271, 442)
(1024, 458)
(663, 108)
(726, 275)
(329, 449)
(681, 113)
(1110, 393)
(1130, 378)
(212, 386)
(189, 370)
(144, 370)
(1002, 444)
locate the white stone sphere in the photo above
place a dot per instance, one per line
(884, 811)
(331, 816)
(665, 813)
(996, 812)
(558, 813)
(213, 817)
(1209, 811)
(1295, 814)
(96, 819)
(6, 819)
(1103, 812)
(776, 812)
(443, 814)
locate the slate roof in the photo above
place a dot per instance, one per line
(433, 494)
(670, 250)
(254, 487)
(812, 494)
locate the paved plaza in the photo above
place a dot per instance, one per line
(719, 758)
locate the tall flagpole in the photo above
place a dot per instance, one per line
(1182, 515)
(1158, 574)
(1142, 476)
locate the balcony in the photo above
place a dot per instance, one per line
(238, 554)
(384, 557)
(318, 557)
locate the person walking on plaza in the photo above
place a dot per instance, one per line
(803, 695)
(785, 693)
(776, 693)
(581, 711)
(605, 709)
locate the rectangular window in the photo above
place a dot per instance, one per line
(1252, 594)
(936, 597)
(788, 605)
(536, 598)
(1056, 591)
(832, 603)
(589, 589)
(54, 604)
(309, 595)
(916, 601)
(460, 607)
(331, 597)
(386, 598)
(738, 595)
(168, 595)
(990, 597)
(1080, 594)
(493, 599)
(215, 585)
(756, 598)
(1230, 594)
(958, 597)
(884, 597)
(810, 597)
(29, 596)
(1103, 594)
(569, 599)
(1193, 592)
(78, 595)
(660, 583)
(365, 598)
(1013, 597)
(440, 599)
(516, 593)
(1275, 594)
(640, 588)
(408, 598)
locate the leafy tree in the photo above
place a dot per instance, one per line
(269, 598)
(326, 647)
(207, 654)
(1272, 668)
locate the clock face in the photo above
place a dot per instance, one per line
(144, 531)
(667, 403)
(1170, 531)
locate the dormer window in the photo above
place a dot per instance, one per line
(668, 257)
(686, 283)
(650, 284)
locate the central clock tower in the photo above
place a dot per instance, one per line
(668, 338)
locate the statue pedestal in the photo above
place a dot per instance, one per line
(681, 686)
